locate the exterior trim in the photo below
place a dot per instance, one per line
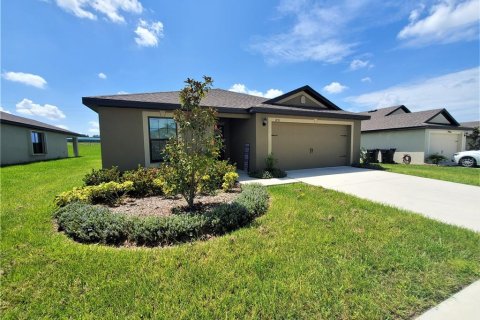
(271, 120)
(146, 138)
(420, 127)
(312, 114)
(317, 96)
(301, 93)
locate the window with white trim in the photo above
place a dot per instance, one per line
(160, 130)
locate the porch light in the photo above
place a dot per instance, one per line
(265, 121)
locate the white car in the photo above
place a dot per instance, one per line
(467, 158)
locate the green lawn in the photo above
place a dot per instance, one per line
(316, 254)
(453, 174)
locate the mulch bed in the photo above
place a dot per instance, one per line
(165, 206)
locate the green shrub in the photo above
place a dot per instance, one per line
(270, 162)
(107, 193)
(254, 197)
(216, 177)
(436, 158)
(268, 174)
(143, 181)
(229, 180)
(87, 223)
(152, 231)
(227, 217)
(97, 177)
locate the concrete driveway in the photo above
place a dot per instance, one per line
(449, 202)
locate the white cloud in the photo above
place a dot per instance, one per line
(25, 78)
(325, 31)
(335, 87)
(359, 64)
(458, 92)
(102, 75)
(62, 126)
(3, 110)
(366, 79)
(269, 94)
(48, 111)
(110, 8)
(94, 127)
(446, 22)
(122, 92)
(148, 33)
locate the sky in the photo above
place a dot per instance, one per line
(360, 54)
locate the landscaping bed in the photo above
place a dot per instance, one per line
(164, 206)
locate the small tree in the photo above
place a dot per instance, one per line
(190, 156)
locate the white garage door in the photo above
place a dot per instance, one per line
(445, 144)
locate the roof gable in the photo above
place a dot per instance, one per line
(304, 97)
(443, 117)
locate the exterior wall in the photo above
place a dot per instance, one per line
(122, 135)
(16, 145)
(412, 142)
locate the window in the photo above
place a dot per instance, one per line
(160, 130)
(38, 142)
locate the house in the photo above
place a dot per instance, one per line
(418, 134)
(301, 128)
(25, 140)
(470, 140)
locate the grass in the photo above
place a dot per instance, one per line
(316, 254)
(453, 174)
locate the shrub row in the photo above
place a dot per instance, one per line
(106, 192)
(268, 174)
(95, 224)
(150, 182)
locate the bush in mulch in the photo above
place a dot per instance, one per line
(95, 224)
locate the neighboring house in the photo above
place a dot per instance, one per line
(418, 134)
(301, 128)
(470, 124)
(24, 140)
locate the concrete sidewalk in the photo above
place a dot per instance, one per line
(464, 305)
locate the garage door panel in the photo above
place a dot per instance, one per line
(301, 146)
(445, 144)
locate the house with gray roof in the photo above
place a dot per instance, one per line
(418, 134)
(25, 140)
(472, 142)
(301, 128)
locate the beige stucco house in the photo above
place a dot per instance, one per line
(25, 140)
(418, 134)
(302, 129)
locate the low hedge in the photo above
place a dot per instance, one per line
(95, 224)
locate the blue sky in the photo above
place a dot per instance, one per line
(360, 54)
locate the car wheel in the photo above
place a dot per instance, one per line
(468, 162)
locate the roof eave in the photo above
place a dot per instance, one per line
(24, 125)
(309, 114)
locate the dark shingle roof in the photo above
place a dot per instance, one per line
(382, 119)
(8, 118)
(223, 100)
(471, 124)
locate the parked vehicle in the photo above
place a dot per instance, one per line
(467, 158)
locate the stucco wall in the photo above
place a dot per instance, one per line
(16, 145)
(405, 141)
(122, 144)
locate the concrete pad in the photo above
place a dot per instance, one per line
(449, 202)
(463, 305)
(244, 178)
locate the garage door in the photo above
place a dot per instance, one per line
(445, 144)
(302, 146)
